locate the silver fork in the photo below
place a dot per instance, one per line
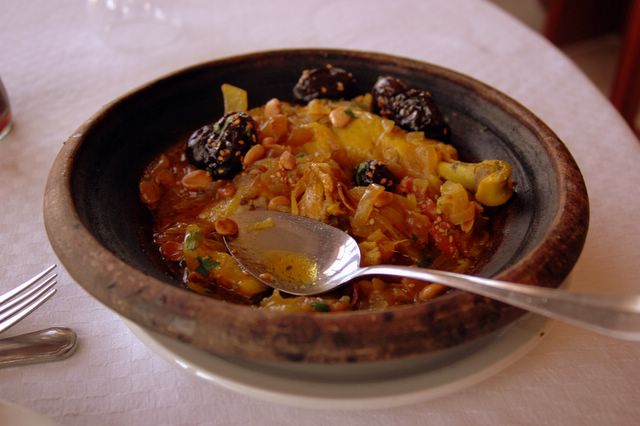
(50, 344)
(16, 304)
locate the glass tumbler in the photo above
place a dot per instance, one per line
(5, 112)
(136, 24)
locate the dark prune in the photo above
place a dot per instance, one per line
(412, 110)
(371, 171)
(384, 90)
(327, 82)
(415, 111)
(220, 147)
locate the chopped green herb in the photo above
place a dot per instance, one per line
(350, 113)
(206, 264)
(320, 306)
(192, 238)
(300, 155)
(360, 170)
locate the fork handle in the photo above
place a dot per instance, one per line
(49, 344)
(614, 316)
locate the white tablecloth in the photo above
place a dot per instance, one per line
(58, 73)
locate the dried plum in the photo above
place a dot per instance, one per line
(327, 82)
(384, 90)
(220, 147)
(412, 110)
(415, 111)
(372, 171)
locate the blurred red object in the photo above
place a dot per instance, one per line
(5, 112)
(569, 21)
(625, 94)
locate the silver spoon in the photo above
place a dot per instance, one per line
(304, 257)
(50, 344)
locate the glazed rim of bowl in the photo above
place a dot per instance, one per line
(229, 329)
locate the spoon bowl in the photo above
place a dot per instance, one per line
(295, 254)
(305, 257)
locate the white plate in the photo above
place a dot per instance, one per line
(357, 386)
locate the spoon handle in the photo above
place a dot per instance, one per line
(615, 316)
(50, 344)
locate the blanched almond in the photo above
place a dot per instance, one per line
(279, 202)
(149, 192)
(197, 179)
(164, 177)
(226, 227)
(430, 291)
(276, 127)
(287, 161)
(272, 107)
(339, 117)
(255, 153)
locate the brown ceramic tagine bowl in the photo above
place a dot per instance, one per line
(102, 233)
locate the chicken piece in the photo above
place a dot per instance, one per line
(490, 180)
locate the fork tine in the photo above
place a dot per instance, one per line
(32, 306)
(8, 295)
(26, 293)
(24, 299)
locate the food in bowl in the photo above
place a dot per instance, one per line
(103, 234)
(376, 165)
